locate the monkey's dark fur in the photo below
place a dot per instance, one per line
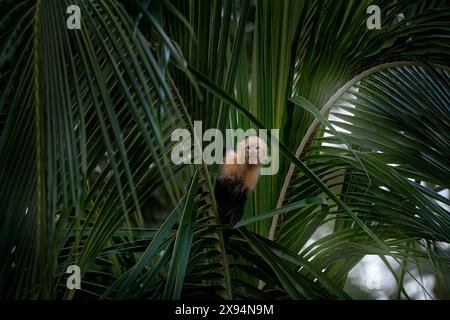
(231, 196)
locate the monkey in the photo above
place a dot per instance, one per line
(237, 177)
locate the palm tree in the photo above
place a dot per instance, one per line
(85, 144)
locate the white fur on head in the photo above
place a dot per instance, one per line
(252, 150)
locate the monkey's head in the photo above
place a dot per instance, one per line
(252, 150)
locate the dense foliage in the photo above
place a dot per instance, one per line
(86, 118)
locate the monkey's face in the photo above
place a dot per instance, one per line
(254, 149)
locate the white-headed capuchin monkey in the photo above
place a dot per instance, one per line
(238, 176)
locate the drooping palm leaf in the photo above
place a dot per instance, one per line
(396, 191)
(98, 98)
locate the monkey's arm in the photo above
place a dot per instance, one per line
(231, 197)
(240, 198)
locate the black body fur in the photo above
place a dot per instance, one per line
(231, 196)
